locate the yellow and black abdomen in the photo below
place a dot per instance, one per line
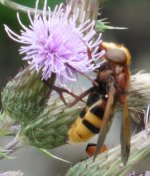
(89, 121)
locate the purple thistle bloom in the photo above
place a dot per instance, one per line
(54, 43)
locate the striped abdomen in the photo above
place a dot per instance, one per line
(90, 119)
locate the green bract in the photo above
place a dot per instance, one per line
(25, 96)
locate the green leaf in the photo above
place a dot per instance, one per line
(102, 25)
(46, 152)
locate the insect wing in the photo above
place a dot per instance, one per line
(107, 119)
(125, 134)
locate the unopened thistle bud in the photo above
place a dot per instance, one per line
(25, 96)
(49, 130)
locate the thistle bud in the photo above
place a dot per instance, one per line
(49, 130)
(25, 96)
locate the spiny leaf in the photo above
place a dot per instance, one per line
(53, 156)
(102, 25)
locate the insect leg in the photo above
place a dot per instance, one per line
(78, 98)
(60, 91)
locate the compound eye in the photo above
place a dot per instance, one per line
(117, 56)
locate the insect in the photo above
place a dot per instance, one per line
(91, 148)
(113, 82)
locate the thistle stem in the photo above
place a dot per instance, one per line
(18, 7)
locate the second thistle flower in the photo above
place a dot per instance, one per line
(54, 43)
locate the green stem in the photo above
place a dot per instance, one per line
(18, 7)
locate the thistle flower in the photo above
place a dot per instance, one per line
(54, 43)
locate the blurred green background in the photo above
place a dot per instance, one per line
(133, 14)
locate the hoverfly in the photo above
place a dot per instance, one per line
(113, 82)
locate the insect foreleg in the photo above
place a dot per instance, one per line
(78, 98)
